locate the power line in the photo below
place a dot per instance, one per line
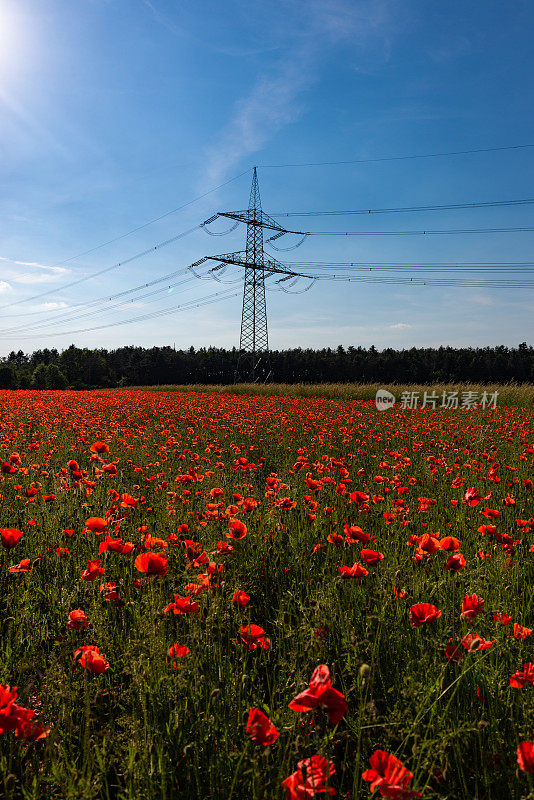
(446, 231)
(67, 309)
(397, 210)
(150, 221)
(509, 267)
(412, 264)
(64, 314)
(105, 270)
(451, 282)
(151, 315)
(122, 304)
(399, 158)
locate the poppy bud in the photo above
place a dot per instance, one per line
(365, 671)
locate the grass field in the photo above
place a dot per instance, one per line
(395, 548)
(514, 394)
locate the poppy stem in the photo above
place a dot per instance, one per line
(237, 771)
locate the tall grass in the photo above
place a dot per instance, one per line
(510, 394)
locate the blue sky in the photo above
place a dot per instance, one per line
(114, 112)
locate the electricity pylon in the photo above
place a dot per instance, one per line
(253, 360)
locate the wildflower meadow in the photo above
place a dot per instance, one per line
(212, 595)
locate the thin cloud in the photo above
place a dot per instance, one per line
(163, 19)
(276, 98)
(51, 273)
(31, 277)
(235, 50)
(400, 326)
(40, 273)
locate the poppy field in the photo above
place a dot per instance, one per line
(207, 595)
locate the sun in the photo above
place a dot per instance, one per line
(16, 35)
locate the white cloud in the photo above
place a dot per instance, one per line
(42, 273)
(58, 270)
(50, 306)
(5, 286)
(400, 326)
(271, 105)
(31, 277)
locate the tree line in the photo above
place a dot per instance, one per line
(82, 368)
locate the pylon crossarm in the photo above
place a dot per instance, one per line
(270, 266)
(258, 220)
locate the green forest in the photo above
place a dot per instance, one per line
(76, 368)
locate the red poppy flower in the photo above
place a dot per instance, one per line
(359, 498)
(96, 524)
(27, 729)
(357, 571)
(127, 501)
(449, 543)
(154, 543)
(236, 529)
(390, 776)
(93, 571)
(472, 606)
(453, 651)
(520, 632)
(472, 497)
(336, 538)
(455, 563)
(420, 613)
(151, 563)
(10, 537)
(182, 605)
(518, 679)
(14, 717)
(355, 534)
(116, 546)
(472, 641)
(428, 543)
(260, 728)
(321, 693)
(176, 652)
(8, 696)
(240, 599)
(502, 619)
(99, 447)
(487, 530)
(525, 756)
(91, 658)
(371, 557)
(310, 779)
(109, 591)
(24, 566)
(77, 620)
(254, 636)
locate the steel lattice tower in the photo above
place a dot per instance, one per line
(253, 360)
(254, 339)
